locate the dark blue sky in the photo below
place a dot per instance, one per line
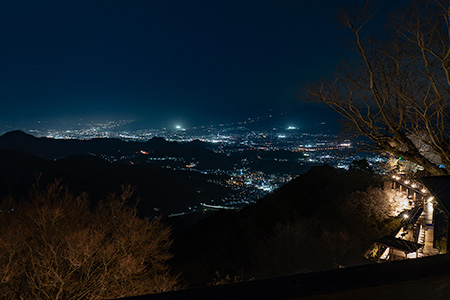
(164, 61)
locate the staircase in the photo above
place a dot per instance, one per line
(420, 239)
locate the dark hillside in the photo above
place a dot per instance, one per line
(49, 148)
(166, 190)
(196, 151)
(54, 148)
(299, 227)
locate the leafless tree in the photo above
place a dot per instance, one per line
(396, 92)
(55, 246)
(375, 204)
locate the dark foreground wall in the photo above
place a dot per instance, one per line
(426, 278)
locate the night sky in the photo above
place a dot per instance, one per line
(165, 62)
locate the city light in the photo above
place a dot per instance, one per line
(248, 185)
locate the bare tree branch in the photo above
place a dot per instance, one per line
(57, 247)
(397, 92)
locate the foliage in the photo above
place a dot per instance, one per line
(227, 279)
(362, 165)
(374, 205)
(398, 165)
(55, 246)
(283, 251)
(441, 245)
(397, 91)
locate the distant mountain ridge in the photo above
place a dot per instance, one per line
(198, 152)
(156, 187)
(50, 148)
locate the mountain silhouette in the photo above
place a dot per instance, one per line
(299, 227)
(157, 188)
(49, 148)
(201, 153)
